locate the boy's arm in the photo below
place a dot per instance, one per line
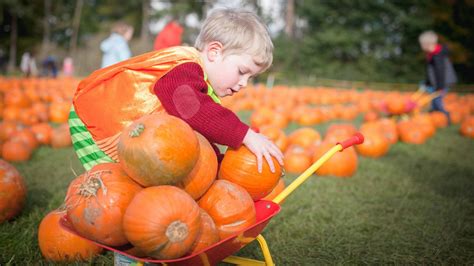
(183, 93)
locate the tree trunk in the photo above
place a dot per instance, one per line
(290, 18)
(76, 22)
(46, 27)
(13, 43)
(145, 20)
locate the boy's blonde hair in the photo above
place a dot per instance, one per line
(239, 31)
(121, 27)
(428, 37)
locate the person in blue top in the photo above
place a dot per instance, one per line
(115, 48)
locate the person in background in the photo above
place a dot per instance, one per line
(50, 67)
(68, 67)
(115, 48)
(169, 36)
(440, 74)
(28, 65)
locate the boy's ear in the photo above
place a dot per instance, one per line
(214, 50)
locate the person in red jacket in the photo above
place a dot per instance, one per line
(169, 36)
(440, 74)
(187, 82)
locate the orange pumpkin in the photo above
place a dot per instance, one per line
(13, 191)
(467, 127)
(389, 129)
(16, 151)
(230, 206)
(59, 112)
(58, 245)
(8, 129)
(162, 221)
(208, 236)
(43, 132)
(240, 167)
(27, 136)
(296, 160)
(339, 132)
(439, 119)
(61, 137)
(304, 137)
(342, 164)
(410, 132)
(204, 172)
(276, 191)
(149, 152)
(276, 135)
(375, 144)
(97, 200)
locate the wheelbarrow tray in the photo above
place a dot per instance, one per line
(212, 255)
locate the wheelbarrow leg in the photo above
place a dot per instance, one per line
(250, 262)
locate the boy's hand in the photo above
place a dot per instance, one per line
(261, 146)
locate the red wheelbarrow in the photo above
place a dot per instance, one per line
(223, 250)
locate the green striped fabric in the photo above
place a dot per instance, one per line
(86, 149)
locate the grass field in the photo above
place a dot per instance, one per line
(413, 206)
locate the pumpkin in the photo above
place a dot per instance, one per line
(389, 129)
(411, 132)
(230, 206)
(276, 135)
(297, 160)
(13, 191)
(204, 172)
(16, 151)
(240, 167)
(304, 137)
(158, 149)
(209, 234)
(27, 136)
(342, 164)
(59, 245)
(8, 129)
(439, 119)
(97, 200)
(61, 137)
(43, 132)
(467, 127)
(375, 144)
(162, 221)
(276, 191)
(339, 132)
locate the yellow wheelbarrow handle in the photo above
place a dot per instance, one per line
(354, 140)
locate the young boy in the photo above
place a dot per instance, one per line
(186, 82)
(439, 70)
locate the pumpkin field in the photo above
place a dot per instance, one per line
(403, 196)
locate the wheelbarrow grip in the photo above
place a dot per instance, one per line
(356, 139)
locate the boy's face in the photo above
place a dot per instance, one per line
(427, 47)
(230, 73)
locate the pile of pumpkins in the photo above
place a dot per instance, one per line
(166, 196)
(27, 107)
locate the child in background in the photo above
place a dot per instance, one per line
(439, 70)
(233, 46)
(115, 48)
(68, 67)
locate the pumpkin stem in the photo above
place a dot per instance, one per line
(177, 231)
(92, 185)
(137, 130)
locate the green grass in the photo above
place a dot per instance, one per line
(413, 206)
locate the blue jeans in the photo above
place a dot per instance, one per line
(437, 105)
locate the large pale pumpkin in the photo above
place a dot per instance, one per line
(204, 172)
(158, 149)
(240, 167)
(12, 191)
(162, 221)
(230, 206)
(208, 236)
(341, 164)
(97, 200)
(59, 245)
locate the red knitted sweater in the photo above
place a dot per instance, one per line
(183, 93)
